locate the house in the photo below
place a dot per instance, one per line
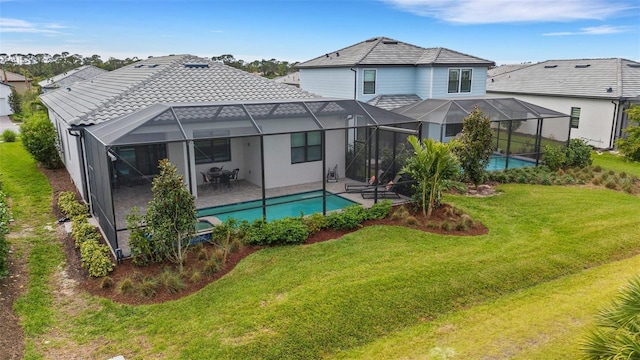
(292, 79)
(5, 107)
(70, 77)
(201, 115)
(391, 73)
(595, 92)
(19, 82)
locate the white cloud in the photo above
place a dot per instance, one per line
(594, 30)
(20, 26)
(511, 11)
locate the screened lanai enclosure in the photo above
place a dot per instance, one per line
(243, 160)
(521, 130)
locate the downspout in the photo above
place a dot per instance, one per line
(83, 160)
(355, 83)
(614, 121)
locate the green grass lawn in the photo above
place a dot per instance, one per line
(523, 290)
(616, 163)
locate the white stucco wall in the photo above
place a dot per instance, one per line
(5, 109)
(336, 82)
(71, 158)
(596, 115)
(441, 82)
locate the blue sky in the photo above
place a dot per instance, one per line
(504, 31)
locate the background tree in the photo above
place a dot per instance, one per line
(171, 215)
(630, 147)
(40, 139)
(474, 146)
(434, 167)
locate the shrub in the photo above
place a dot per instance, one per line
(82, 231)
(349, 218)
(172, 281)
(141, 248)
(148, 288)
(578, 154)
(554, 157)
(379, 210)
(411, 220)
(106, 282)
(5, 217)
(69, 206)
(126, 286)
(278, 232)
(39, 139)
(211, 266)
(611, 185)
(9, 135)
(630, 146)
(196, 276)
(15, 101)
(315, 223)
(96, 258)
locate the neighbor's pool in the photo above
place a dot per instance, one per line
(498, 163)
(278, 207)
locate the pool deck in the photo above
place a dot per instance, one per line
(127, 197)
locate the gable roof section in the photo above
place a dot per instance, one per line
(386, 51)
(390, 102)
(504, 69)
(590, 78)
(167, 79)
(72, 76)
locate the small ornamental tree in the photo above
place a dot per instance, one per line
(434, 167)
(15, 101)
(474, 147)
(40, 140)
(171, 215)
(630, 147)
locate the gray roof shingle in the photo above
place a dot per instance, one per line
(72, 76)
(590, 78)
(165, 79)
(390, 102)
(386, 51)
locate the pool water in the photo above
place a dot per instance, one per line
(499, 162)
(278, 207)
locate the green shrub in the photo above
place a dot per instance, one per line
(578, 154)
(106, 282)
(126, 286)
(139, 243)
(379, 210)
(172, 281)
(40, 140)
(629, 146)
(349, 218)
(211, 266)
(611, 185)
(69, 206)
(278, 232)
(148, 288)
(411, 220)
(196, 276)
(9, 135)
(315, 223)
(96, 258)
(554, 157)
(82, 231)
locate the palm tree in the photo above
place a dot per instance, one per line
(617, 332)
(434, 167)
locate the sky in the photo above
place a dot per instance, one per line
(503, 31)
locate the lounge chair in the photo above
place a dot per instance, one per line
(357, 187)
(389, 190)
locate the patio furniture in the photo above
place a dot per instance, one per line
(206, 181)
(220, 177)
(389, 190)
(332, 174)
(233, 177)
(359, 186)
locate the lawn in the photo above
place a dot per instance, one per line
(385, 292)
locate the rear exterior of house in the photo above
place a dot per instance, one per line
(5, 91)
(595, 92)
(381, 67)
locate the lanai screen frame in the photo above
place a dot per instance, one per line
(176, 121)
(501, 111)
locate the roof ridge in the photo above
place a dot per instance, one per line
(134, 86)
(378, 41)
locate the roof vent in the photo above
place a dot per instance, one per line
(634, 65)
(610, 90)
(337, 54)
(138, 66)
(390, 42)
(196, 65)
(582, 66)
(550, 66)
(153, 65)
(372, 40)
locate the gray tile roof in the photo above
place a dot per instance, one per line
(167, 79)
(386, 51)
(590, 78)
(504, 69)
(390, 102)
(72, 76)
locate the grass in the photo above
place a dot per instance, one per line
(381, 290)
(616, 163)
(30, 195)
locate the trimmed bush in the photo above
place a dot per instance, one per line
(578, 154)
(40, 140)
(554, 157)
(380, 210)
(69, 206)
(9, 135)
(96, 258)
(278, 232)
(82, 231)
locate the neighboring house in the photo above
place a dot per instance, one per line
(115, 127)
(19, 82)
(594, 91)
(70, 77)
(374, 69)
(292, 79)
(5, 108)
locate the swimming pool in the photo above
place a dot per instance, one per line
(498, 163)
(278, 207)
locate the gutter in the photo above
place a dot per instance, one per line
(355, 83)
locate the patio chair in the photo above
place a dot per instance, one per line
(206, 182)
(357, 187)
(389, 190)
(233, 177)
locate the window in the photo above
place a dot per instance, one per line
(142, 159)
(575, 117)
(452, 129)
(369, 86)
(212, 150)
(306, 147)
(459, 80)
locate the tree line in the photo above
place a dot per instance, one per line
(43, 66)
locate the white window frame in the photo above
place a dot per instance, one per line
(375, 81)
(459, 82)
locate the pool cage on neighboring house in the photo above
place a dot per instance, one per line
(277, 144)
(521, 130)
